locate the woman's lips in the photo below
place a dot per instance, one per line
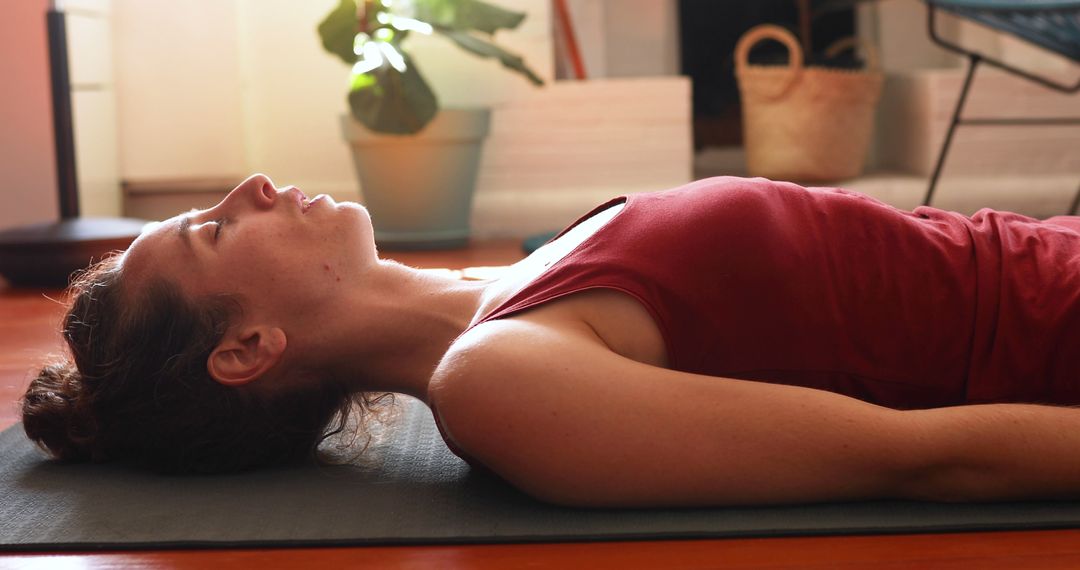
(310, 203)
(301, 199)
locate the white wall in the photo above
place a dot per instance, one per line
(93, 105)
(179, 89)
(285, 70)
(237, 86)
(27, 163)
(215, 89)
(291, 94)
(642, 38)
(627, 38)
(455, 74)
(898, 29)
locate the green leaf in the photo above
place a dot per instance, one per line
(484, 48)
(466, 15)
(392, 102)
(362, 81)
(338, 30)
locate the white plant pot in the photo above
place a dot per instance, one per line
(419, 188)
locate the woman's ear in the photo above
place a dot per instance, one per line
(244, 355)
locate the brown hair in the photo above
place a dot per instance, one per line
(136, 387)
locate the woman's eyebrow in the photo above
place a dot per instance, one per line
(182, 231)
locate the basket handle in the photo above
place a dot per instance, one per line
(771, 32)
(852, 42)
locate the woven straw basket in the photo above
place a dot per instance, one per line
(805, 123)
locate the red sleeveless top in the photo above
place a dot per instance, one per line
(831, 289)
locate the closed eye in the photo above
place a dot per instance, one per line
(217, 231)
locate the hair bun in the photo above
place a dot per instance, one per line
(54, 414)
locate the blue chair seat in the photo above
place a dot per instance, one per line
(1051, 24)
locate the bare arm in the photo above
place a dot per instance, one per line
(998, 452)
(569, 421)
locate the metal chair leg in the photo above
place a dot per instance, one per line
(974, 62)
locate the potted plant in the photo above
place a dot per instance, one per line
(417, 164)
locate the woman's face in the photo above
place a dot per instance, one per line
(273, 247)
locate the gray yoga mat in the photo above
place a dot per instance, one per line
(407, 489)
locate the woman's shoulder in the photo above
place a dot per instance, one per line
(485, 352)
(504, 389)
(473, 386)
(494, 363)
(575, 331)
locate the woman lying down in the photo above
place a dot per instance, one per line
(731, 341)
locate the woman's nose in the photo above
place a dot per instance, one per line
(257, 188)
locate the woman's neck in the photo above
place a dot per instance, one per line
(398, 327)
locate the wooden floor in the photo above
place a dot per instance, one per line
(28, 332)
